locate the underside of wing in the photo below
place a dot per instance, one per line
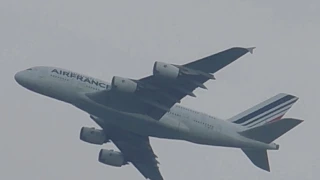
(135, 149)
(156, 94)
(139, 152)
(171, 83)
(214, 63)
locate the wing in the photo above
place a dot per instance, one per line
(135, 148)
(138, 151)
(214, 63)
(157, 95)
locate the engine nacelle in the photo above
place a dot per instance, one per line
(165, 70)
(112, 158)
(93, 136)
(124, 84)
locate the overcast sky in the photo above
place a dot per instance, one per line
(40, 136)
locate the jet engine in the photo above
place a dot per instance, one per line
(165, 70)
(93, 136)
(124, 84)
(112, 158)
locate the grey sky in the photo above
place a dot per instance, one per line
(40, 136)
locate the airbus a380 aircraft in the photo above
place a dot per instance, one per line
(130, 111)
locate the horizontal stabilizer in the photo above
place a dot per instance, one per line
(269, 132)
(258, 158)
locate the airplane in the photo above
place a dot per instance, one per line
(130, 111)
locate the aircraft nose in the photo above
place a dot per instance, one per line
(20, 78)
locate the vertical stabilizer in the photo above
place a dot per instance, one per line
(268, 111)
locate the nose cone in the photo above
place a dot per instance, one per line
(18, 77)
(21, 78)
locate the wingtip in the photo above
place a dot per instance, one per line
(298, 121)
(250, 49)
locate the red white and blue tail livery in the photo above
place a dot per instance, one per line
(268, 111)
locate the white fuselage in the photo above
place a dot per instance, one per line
(179, 123)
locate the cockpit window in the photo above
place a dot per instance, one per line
(30, 69)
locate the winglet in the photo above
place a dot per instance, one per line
(251, 49)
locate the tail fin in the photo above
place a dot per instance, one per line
(267, 133)
(271, 131)
(268, 111)
(258, 158)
